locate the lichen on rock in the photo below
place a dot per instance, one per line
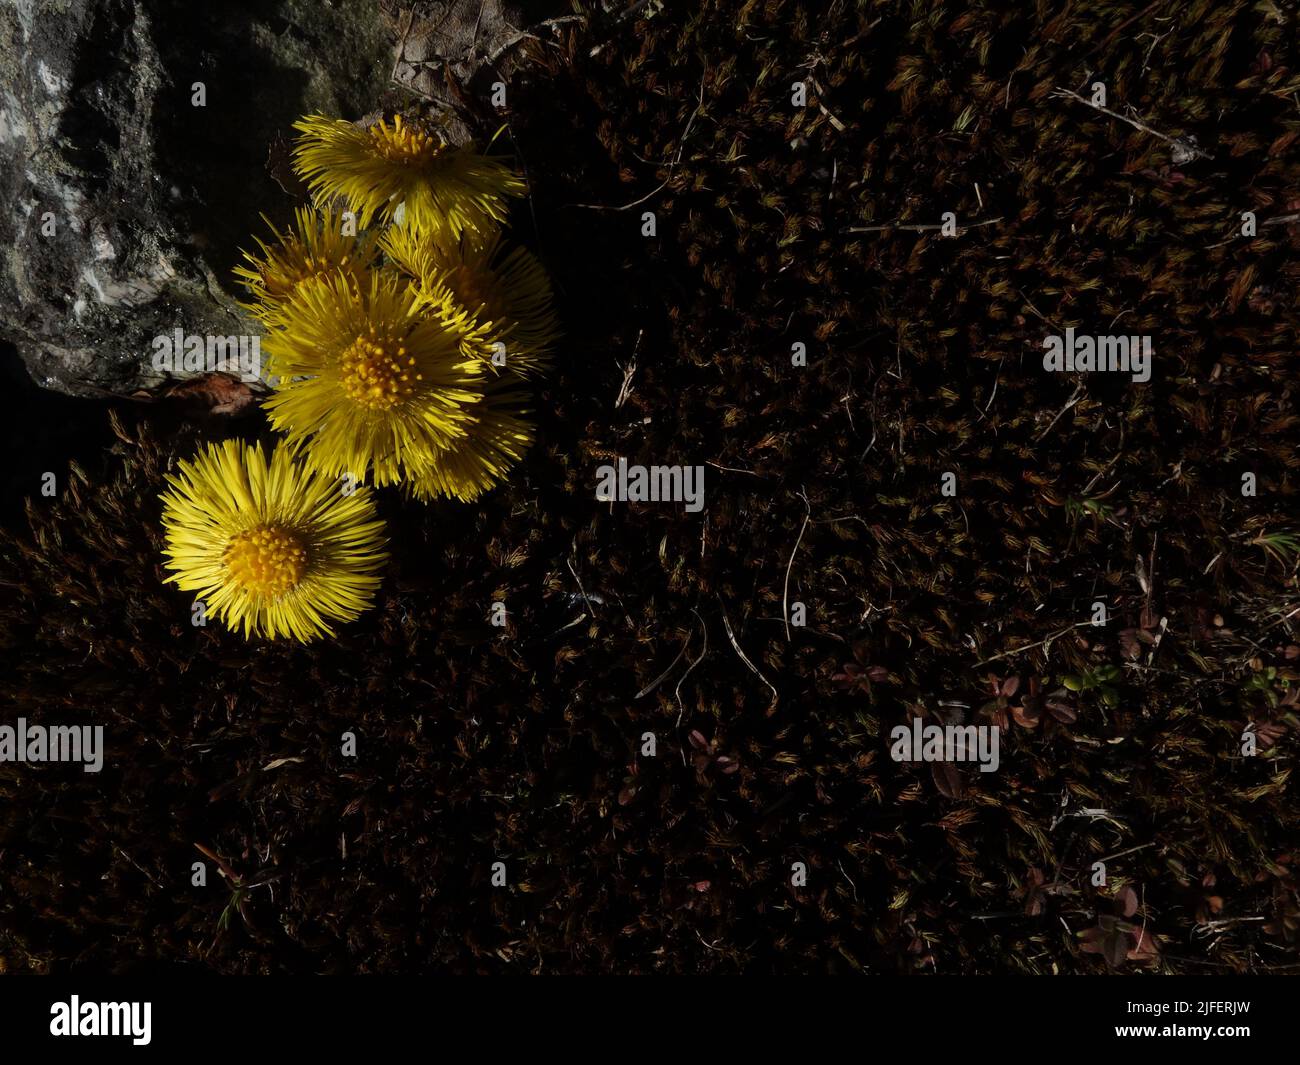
(126, 187)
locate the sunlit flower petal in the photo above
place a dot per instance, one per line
(496, 441)
(317, 244)
(496, 295)
(270, 547)
(370, 385)
(450, 191)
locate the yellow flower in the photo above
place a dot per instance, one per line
(315, 245)
(372, 387)
(496, 441)
(270, 547)
(494, 295)
(446, 190)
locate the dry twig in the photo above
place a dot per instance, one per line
(726, 622)
(1184, 149)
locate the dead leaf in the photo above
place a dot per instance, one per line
(1115, 948)
(212, 393)
(1129, 646)
(1027, 716)
(1106, 939)
(1145, 948)
(947, 779)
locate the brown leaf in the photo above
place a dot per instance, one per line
(212, 393)
(1129, 646)
(1127, 900)
(996, 712)
(1115, 948)
(947, 779)
(1091, 940)
(1106, 939)
(1144, 947)
(1010, 686)
(1027, 716)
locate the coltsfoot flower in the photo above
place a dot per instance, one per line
(271, 547)
(315, 245)
(493, 294)
(445, 190)
(496, 441)
(370, 385)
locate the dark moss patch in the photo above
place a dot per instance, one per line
(924, 357)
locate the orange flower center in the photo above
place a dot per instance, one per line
(377, 373)
(474, 291)
(268, 561)
(298, 264)
(402, 144)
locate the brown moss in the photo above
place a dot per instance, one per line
(523, 746)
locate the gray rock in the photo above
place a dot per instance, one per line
(123, 205)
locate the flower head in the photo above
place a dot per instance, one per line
(445, 190)
(496, 440)
(271, 547)
(495, 295)
(371, 386)
(316, 245)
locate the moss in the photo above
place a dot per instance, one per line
(523, 745)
